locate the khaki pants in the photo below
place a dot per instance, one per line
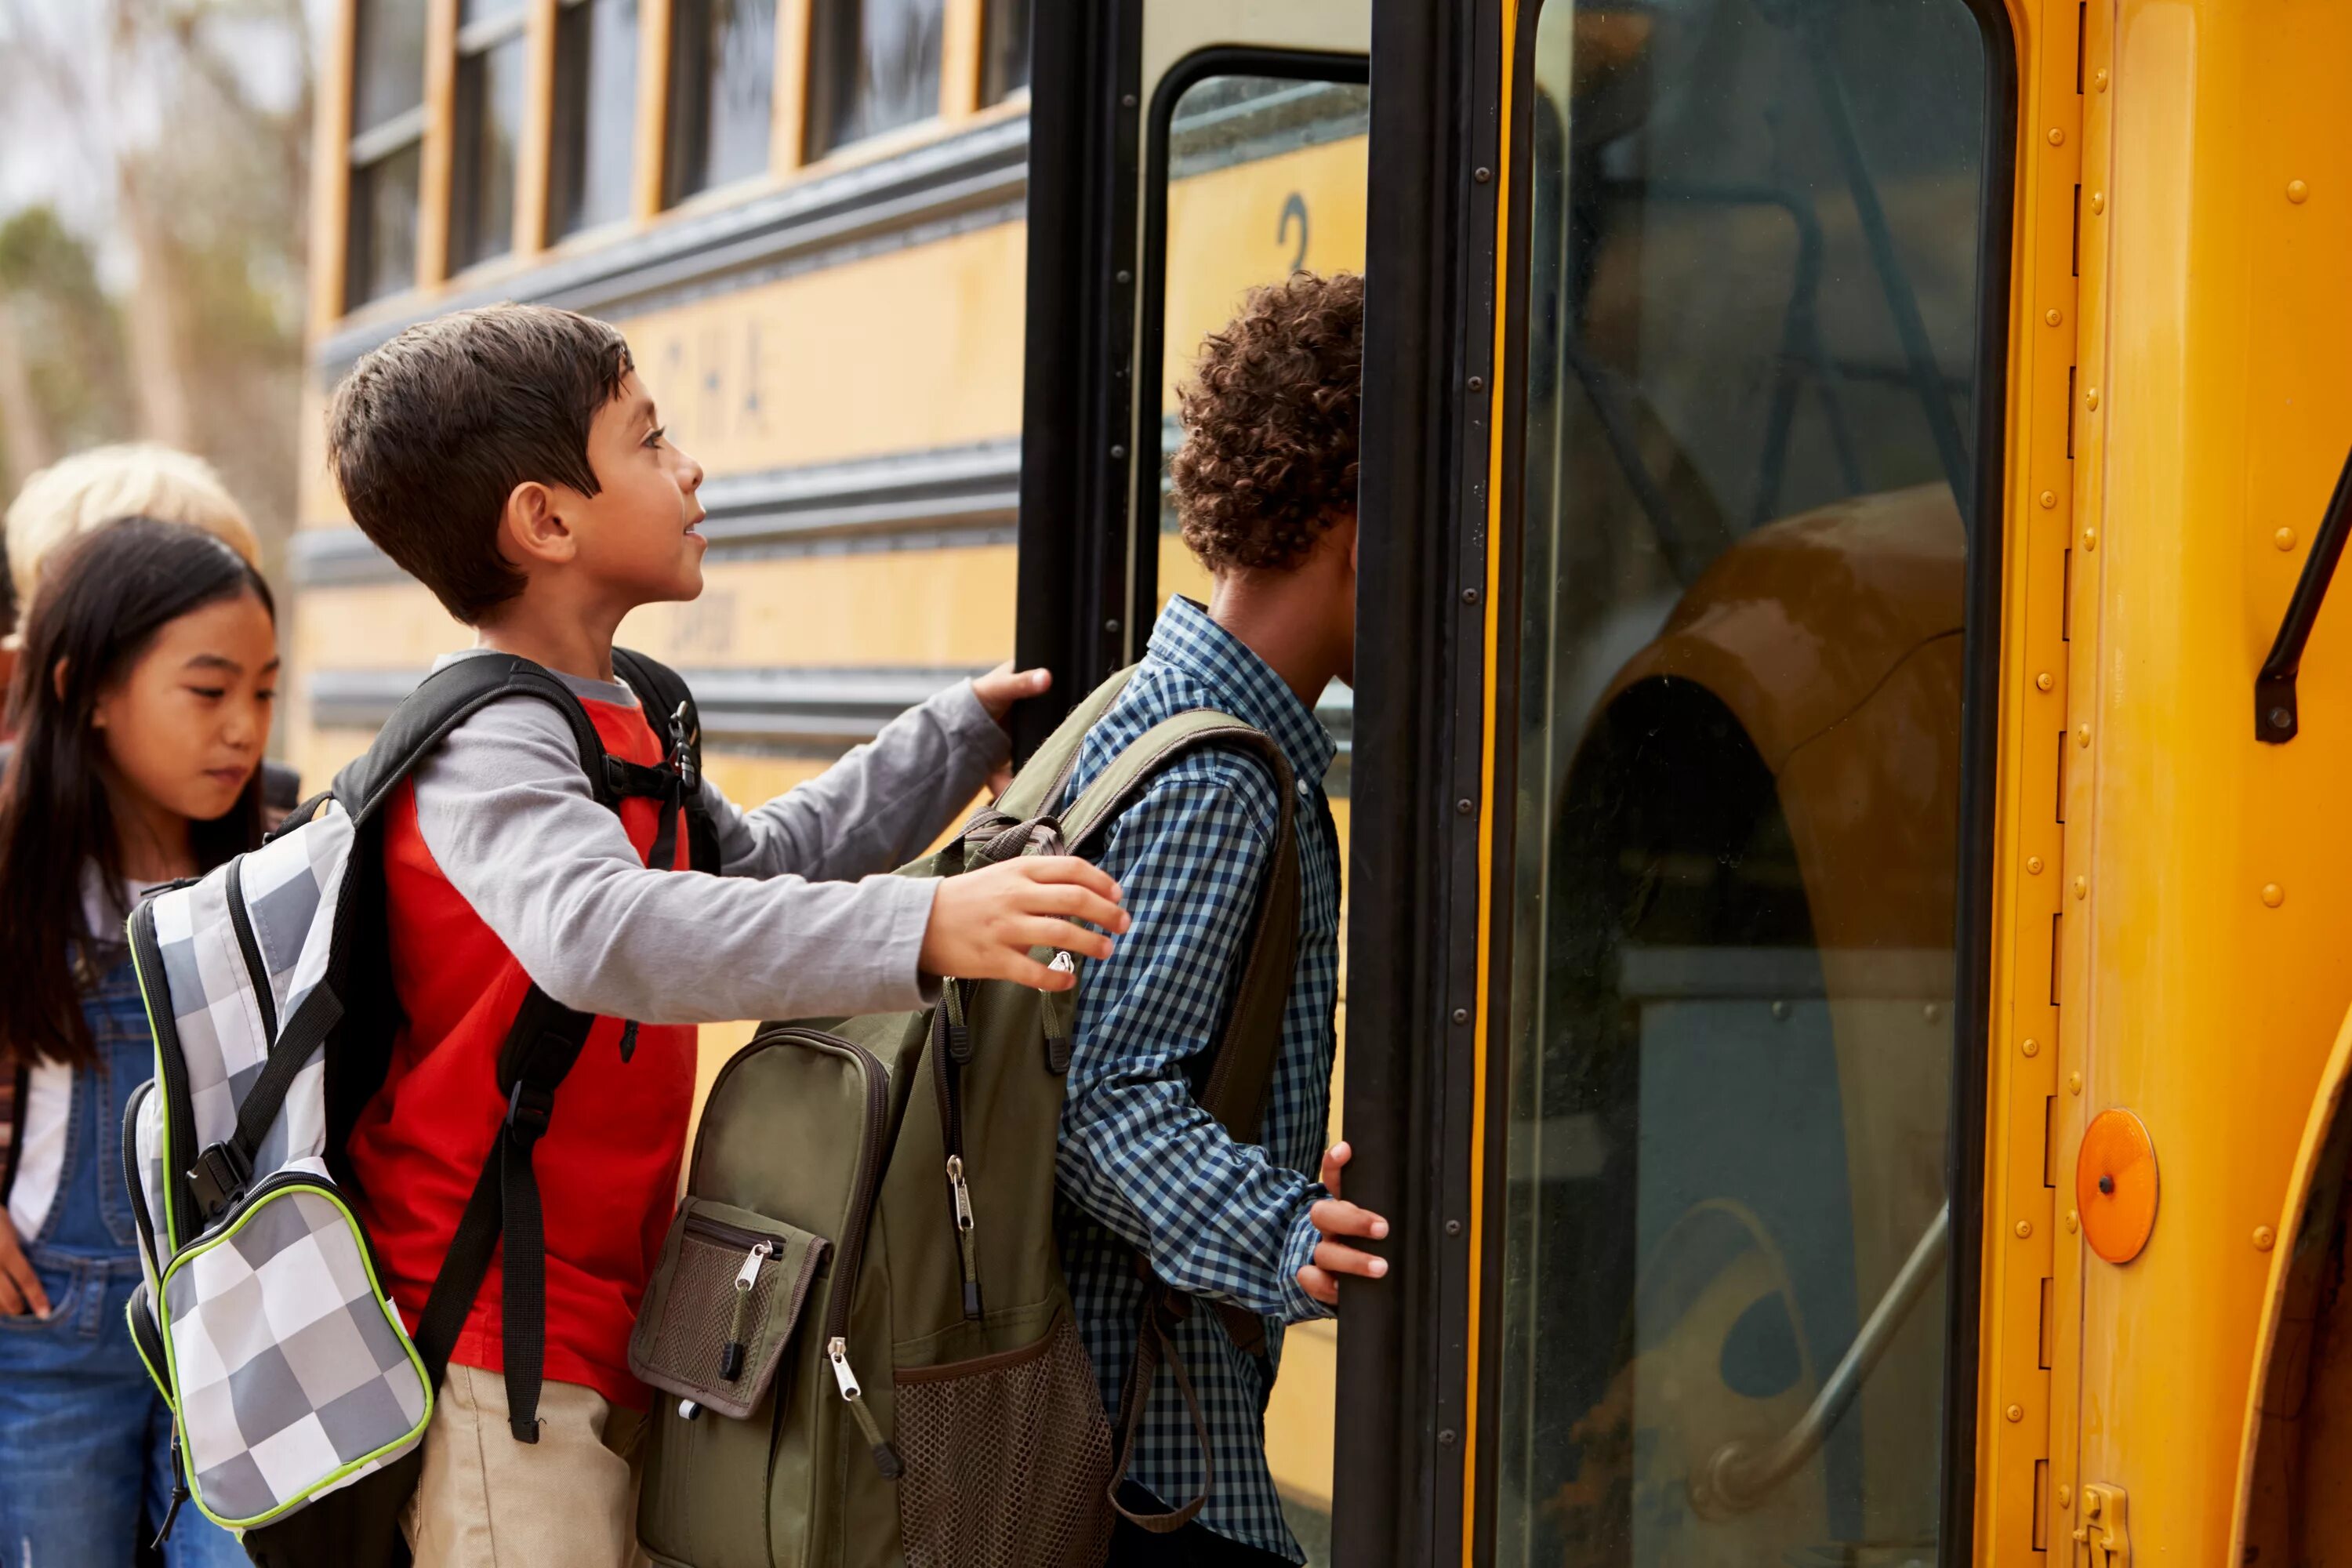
(569, 1500)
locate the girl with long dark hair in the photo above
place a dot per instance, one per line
(141, 704)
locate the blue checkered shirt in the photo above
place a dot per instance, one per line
(1142, 1166)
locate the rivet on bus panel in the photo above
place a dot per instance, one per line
(2091, 399)
(2031, 1048)
(2098, 201)
(2081, 734)
(2033, 865)
(2024, 1230)
(2073, 1222)
(2015, 1412)
(2057, 137)
(2090, 539)
(2074, 1083)
(2264, 1238)
(2082, 887)
(2273, 895)
(2283, 539)
(2054, 315)
(2049, 499)
(2099, 80)
(2045, 681)
(2065, 1496)
(2297, 192)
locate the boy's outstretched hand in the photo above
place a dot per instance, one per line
(998, 690)
(984, 922)
(1321, 1278)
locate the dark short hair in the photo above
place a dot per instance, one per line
(430, 433)
(1269, 455)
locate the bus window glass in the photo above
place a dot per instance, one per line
(874, 65)
(594, 145)
(473, 11)
(722, 79)
(1750, 335)
(482, 172)
(388, 132)
(1266, 177)
(388, 61)
(1007, 68)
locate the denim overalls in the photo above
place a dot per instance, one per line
(84, 1440)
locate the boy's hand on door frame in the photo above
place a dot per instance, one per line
(1335, 1217)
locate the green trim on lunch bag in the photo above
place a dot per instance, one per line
(155, 1044)
(163, 1383)
(304, 1183)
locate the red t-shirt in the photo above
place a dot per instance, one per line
(608, 1163)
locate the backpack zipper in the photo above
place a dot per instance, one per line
(946, 1079)
(747, 1278)
(139, 1214)
(241, 919)
(850, 1254)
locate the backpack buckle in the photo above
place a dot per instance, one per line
(218, 1179)
(528, 1108)
(681, 751)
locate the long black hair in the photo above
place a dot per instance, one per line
(100, 607)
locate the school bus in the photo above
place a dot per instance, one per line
(1845, 876)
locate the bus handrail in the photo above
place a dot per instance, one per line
(2277, 718)
(1743, 1472)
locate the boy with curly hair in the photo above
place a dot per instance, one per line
(1265, 488)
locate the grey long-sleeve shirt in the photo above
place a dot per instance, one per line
(782, 932)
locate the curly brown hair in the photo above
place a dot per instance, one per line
(1269, 455)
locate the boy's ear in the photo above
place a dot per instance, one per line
(533, 527)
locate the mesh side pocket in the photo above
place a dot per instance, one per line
(723, 1306)
(1008, 1459)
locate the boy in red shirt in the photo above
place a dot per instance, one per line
(509, 459)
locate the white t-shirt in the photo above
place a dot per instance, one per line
(46, 1104)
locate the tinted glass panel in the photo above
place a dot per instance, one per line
(1750, 357)
(873, 64)
(471, 11)
(489, 123)
(382, 248)
(388, 62)
(595, 114)
(723, 88)
(1007, 66)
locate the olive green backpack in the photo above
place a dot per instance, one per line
(859, 1326)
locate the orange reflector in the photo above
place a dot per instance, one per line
(2114, 1185)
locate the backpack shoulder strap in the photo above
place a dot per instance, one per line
(1244, 1056)
(1240, 1065)
(447, 698)
(670, 708)
(1042, 778)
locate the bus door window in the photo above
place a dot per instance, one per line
(1258, 167)
(1750, 324)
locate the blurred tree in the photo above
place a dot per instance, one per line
(158, 289)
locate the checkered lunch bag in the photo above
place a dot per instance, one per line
(299, 1399)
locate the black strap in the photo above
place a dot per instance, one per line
(223, 1170)
(540, 1050)
(671, 709)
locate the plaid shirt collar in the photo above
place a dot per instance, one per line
(1244, 685)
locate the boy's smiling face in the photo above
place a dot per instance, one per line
(636, 535)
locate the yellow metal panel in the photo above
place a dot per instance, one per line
(911, 349)
(788, 143)
(2013, 1368)
(940, 608)
(533, 157)
(331, 169)
(434, 181)
(2221, 416)
(653, 105)
(961, 35)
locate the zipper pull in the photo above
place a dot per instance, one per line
(179, 1493)
(885, 1458)
(628, 1040)
(731, 1355)
(1063, 964)
(961, 1193)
